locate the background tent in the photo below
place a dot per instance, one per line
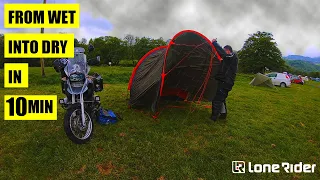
(183, 70)
(261, 80)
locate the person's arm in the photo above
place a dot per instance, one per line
(219, 49)
(220, 76)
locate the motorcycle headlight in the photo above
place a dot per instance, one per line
(76, 80)
(76, 77)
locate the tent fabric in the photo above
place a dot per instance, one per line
(145, 84)
(261, 80)
(184, 69)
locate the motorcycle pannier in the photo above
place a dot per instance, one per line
(98, 84)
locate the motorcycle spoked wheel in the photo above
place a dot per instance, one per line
(73, 126)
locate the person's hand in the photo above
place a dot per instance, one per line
(214, 40)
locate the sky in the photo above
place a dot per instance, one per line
(295, 24)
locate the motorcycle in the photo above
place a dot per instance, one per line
(81, 104)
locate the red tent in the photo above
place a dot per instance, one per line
(182, 70)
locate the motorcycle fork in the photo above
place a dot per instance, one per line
(82, 110)
(82, 107)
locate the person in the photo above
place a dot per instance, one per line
(225, 77)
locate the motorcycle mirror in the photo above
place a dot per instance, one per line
(94, 61)
(91, 48)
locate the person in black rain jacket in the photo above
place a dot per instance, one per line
(225, 77)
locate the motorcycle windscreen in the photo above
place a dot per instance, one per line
(78, 64)
(77, 70)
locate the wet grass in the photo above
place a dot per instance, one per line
(263, 126)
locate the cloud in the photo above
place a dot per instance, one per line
(90, 27)
(294, 23)
(311, 51)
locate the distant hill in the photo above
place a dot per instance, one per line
(305, 66)
(315, 60)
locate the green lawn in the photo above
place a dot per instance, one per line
(263, 126)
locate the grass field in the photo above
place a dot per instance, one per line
(263, 126)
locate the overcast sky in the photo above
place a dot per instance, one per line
(295, 24)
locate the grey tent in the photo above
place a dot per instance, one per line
(261, 80)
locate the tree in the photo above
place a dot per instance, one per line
(99, 45)
(314, 74)
(76, 42)
(117, 49)
(157, 42)
(91, 41)
(260, 52)
(141, 47)
(110, 49)
(83, 41)
(144, 45)
(130, 47)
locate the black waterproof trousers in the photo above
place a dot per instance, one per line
(219, 101)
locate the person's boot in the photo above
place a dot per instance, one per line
(216, 108)
(214, 117)
(223, 116)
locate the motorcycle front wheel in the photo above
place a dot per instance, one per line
(74, 129)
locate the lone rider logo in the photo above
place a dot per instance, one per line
(238, 167)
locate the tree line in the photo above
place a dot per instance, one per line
(258, 54)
